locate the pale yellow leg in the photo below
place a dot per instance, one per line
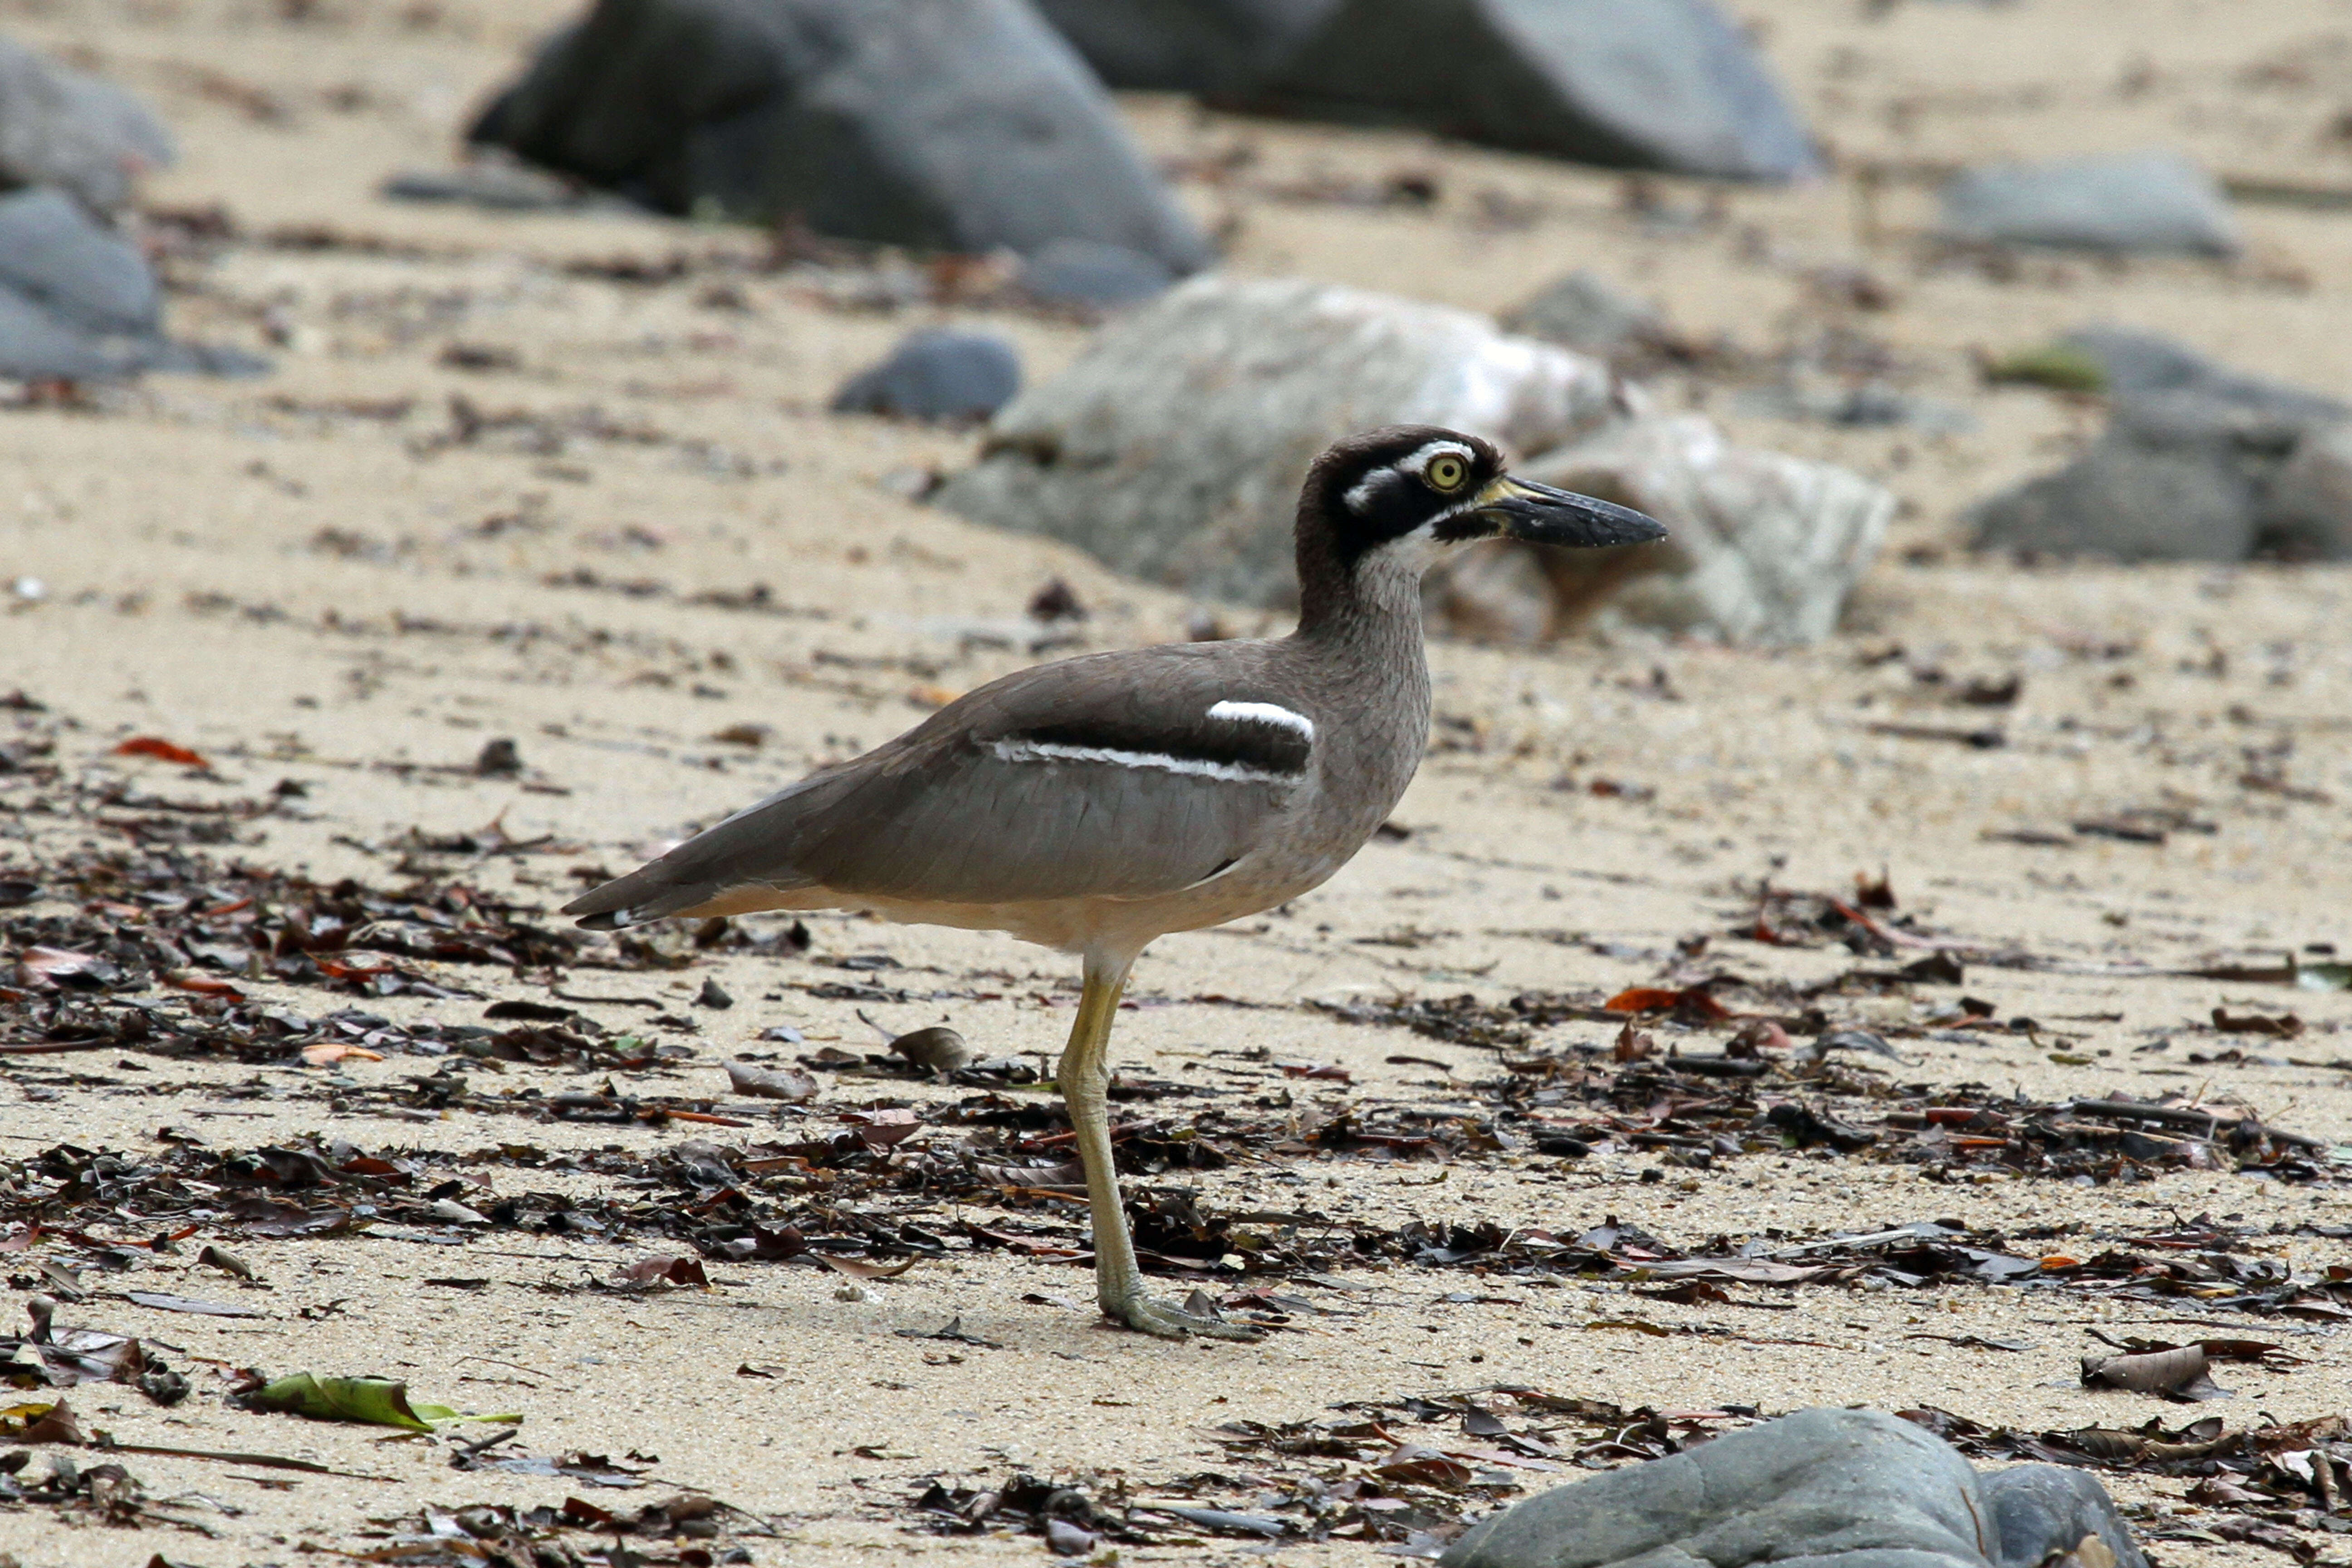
(1085, 1077)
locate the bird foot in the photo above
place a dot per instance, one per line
(1170, 1322)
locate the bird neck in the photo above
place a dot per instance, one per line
(1366, 610)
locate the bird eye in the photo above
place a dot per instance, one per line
(1447, 473)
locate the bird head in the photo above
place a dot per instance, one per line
(1413, 491)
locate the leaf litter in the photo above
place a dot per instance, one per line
(850, 1189)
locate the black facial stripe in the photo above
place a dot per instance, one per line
(1270, 748)
(1462, 524)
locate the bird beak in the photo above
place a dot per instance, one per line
(1521, 509)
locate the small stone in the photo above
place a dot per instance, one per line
(2132, 202)
(1586, 312)
(499, 759)
(714, 994)
(936, 374)
(1067, 1540)
(936, 1049)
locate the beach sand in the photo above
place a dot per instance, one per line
(311, 576)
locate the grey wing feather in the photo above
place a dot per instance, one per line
(946, 813)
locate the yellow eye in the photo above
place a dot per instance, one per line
(1447, 473)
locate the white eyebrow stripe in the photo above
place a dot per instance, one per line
(1418, 461)
(1052, 752)
(1263, 713)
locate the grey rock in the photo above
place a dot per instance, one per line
(2132, 498)
(2197, 463)
(1866, 405)
(78, 302)
(936, 374)
(55, 253)
(1174, 448)
(1856, 1489)
(1213, 48)
(1665, 84)
(36, 346)
(2041, 1510)
(2136, 363)
(2142, 202)
(492, 181)
(1586, 312)
(84, 136)
(959, 125)
(1087, 274)
(1761, 548)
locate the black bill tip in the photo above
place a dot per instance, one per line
(1521, 509)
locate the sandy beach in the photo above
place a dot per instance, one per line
(567, 480)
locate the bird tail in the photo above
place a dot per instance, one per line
(746, 862)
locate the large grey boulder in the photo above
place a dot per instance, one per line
(1213, 48)
(81, 135)
(1761, 548)
(961, 125)
(1640, 84)
(2197, 463)
(2148, 201)
(1174, 448)
(1821, 1488)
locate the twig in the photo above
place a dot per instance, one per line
(269, 1461)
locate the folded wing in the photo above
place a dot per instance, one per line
(1121, 776)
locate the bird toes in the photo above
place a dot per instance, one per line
(1163, 1321)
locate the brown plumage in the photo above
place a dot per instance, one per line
(1095, 804)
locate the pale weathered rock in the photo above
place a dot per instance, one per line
(83, 136)
(1856, 1489)
(1663, 84)
(960, 125)
(1174, 448)
(1761, 547)
(2154, 202)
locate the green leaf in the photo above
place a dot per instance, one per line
(376, 1401)
(2054, 365)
